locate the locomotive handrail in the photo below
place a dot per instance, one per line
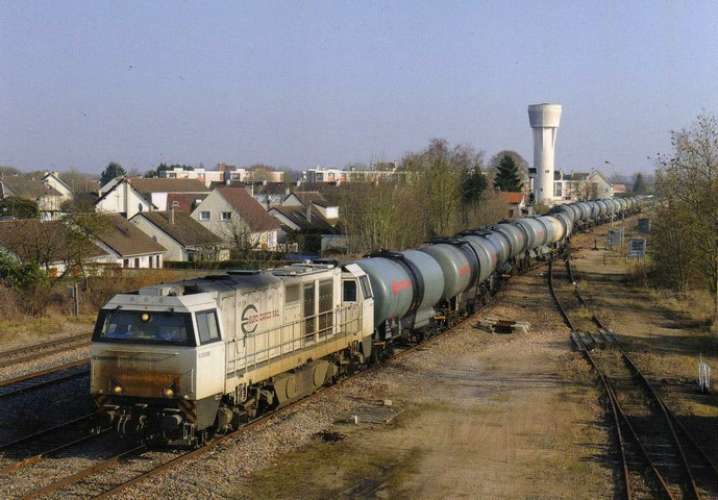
(298, 337)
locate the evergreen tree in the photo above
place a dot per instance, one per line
(639, 185)
(507, 177)
(111, 171)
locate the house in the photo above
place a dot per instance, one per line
(307, 219)
(269, 194)
(39, 190)
(309, 229)
(236, 217)
(619, 188)
(184, 238)
(46, 243)
(311, 198)
(515, 203)
(201, 174)
(581, 186)
(603, 188)
(53, 180)
(127, 245)
(118, 196)
(157, 190)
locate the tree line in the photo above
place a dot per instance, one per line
(443, 190)
(684, 245)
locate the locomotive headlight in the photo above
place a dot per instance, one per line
(168, 392)
(117, 389)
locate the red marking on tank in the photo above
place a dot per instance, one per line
(398, 286)
(464, 270)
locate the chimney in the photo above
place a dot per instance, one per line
(172, 212)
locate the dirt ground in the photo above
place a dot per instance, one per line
(504, 416)
(480, 415)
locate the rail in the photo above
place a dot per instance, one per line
(621, 419)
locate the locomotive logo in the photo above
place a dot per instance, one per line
(249, 319)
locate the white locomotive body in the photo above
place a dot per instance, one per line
(174, 361)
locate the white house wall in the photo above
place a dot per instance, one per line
(123, 199)
(175, 251)
(215, 204)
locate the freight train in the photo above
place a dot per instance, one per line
(177, 362)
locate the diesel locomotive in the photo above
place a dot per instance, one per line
(177, 362)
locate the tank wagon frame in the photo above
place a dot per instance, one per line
(176, 362)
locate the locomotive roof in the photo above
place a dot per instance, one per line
(234, 280)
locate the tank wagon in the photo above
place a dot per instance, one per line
(176, 362)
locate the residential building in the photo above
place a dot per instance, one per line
(128, 246)
(53, 180)
(205, 176)
(308, 220)
(184, 238)
(118, 196)
(45, 243)
(306, 199)
(515, 203)
(236, 217)
(338, 177)
(49, 192)
(619, 188)
(156, 190)
(581, 186)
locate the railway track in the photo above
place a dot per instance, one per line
(658, 456)
(40, 350)
(43, 378)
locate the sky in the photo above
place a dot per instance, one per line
(300, 84)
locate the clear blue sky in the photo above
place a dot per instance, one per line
(306, 83)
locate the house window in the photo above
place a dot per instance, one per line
(139, 207)
(150, 259)
(226, 216)
(126, 263)
(204, 215)
(137, 263)
(157, 261)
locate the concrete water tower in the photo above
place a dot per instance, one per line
(544, 119)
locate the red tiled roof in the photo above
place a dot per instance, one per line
(185, 202)
(511, 198)
(249, 209)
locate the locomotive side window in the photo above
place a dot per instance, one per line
(350, 291)
(207, 326)
(366, 288)
(291, 294)
(326, 307)
(310, 320)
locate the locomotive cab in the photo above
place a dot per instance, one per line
(157, 364)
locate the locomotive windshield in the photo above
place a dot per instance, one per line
(144, 327)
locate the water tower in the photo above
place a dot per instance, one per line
(544, 119)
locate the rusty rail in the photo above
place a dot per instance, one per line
(671, 421)
(26, 353)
